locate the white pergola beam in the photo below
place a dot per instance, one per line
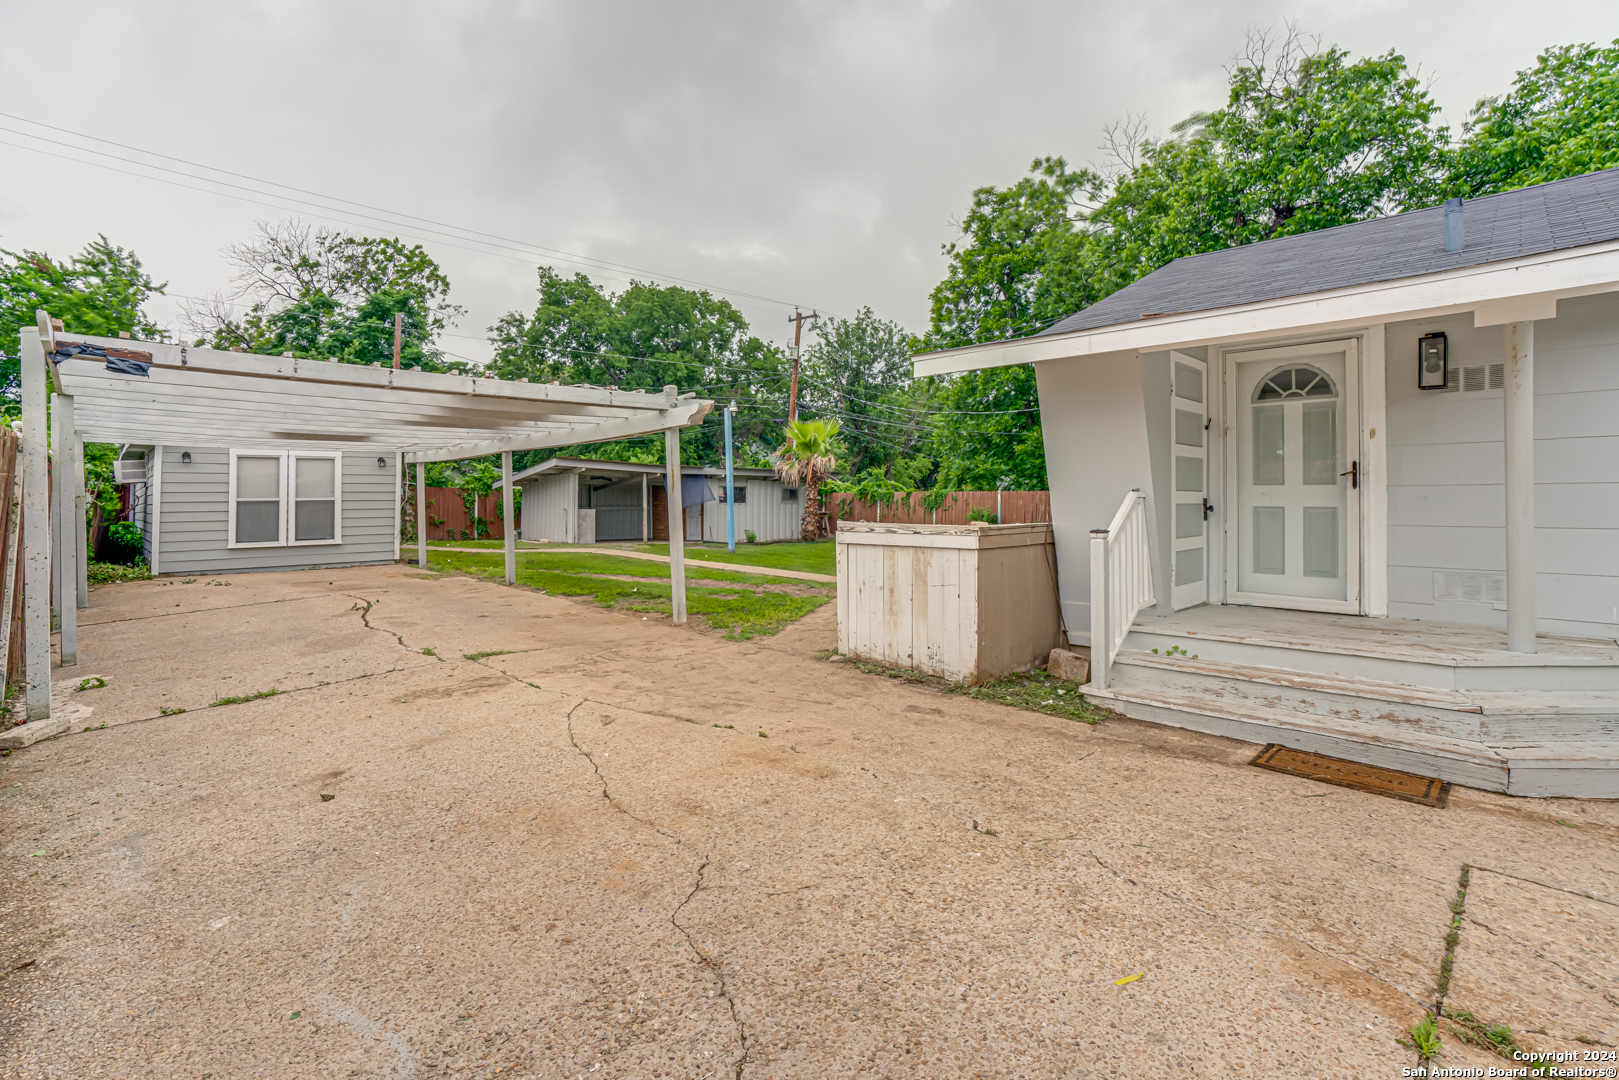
(691, 412)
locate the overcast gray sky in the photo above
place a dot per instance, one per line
(783, 154)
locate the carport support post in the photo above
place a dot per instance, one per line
(646, 514)
(36, 523)
(1520, 454)
(67, 574)
(81, 504)
(421, 514)
(677, 525)
(507, 530)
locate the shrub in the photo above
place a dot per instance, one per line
(123, 545)
(752, 537)
(978, 513)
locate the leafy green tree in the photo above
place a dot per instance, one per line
(325, 293)
(645, 338)
(100, 291)
(859, 371)
(1560, 119)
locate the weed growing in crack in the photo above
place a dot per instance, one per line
(1453, 935)
(476, 656)
(1496, 1038)
(240, 698)
(167, 710)
(1425, 1038)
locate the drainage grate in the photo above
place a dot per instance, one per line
(1352, 774)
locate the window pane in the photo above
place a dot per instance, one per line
(1188, 474)
(1188, 382)
(1321, 541)
(1270, 454)
(314, 519)
(1270, 540)
(1321, 442)
(1188, 428)
(1188, 520)
(258, 478)
(258, 522)
(1189, 566)
(315, 478)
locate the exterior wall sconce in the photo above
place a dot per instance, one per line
(382, 463)
(185, 457)
(1433, 362)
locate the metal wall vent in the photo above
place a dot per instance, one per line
(1470, 586)
(1475, 377)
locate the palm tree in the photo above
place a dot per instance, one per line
(805, 461)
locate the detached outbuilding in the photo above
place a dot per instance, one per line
(584, 501)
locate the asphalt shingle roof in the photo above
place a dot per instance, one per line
(1529, 221)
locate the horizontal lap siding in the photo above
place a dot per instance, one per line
(1447, 500)
(763, 511)
(195, 517)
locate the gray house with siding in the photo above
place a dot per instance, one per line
(217, 510)
(1355, 491)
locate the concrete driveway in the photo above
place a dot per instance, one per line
(612, 847)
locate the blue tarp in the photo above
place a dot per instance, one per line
(694, 490)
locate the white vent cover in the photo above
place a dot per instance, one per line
(1475, 377)
(129, 471)
(1470, 586)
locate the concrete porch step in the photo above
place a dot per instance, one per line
(1470, 715)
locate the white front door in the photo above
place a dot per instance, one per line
(1188, 394)
(1293, 472)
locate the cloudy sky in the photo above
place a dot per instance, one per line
(781, 154)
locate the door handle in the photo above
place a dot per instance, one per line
(1208, 508)
(1353, 474)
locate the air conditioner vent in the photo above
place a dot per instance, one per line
(129, 471)
(1470, 586)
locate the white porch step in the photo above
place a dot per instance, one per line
(1472, 716)
(1570, 770)
(1459, 761)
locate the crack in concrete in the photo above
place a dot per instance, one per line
(1525, 945)
(202, 610)
(365, 618)
(716, 968)
(1544, 885)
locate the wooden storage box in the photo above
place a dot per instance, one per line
(968, 603)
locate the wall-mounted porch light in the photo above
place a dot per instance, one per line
(185, 457)
(1433, 362)
(382, 463)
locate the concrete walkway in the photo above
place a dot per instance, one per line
(482, 832)
(764, 571)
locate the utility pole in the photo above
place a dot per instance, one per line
(399, 334)
(798, 319)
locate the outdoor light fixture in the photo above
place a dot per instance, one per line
(382, 463)
(185, 458)
(1433, 362)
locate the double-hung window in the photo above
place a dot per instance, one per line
(281, 499)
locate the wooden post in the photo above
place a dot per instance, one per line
(421, 514)
(677, 525)
(67, 574)
(399, 332)
(81, 545)
(1519, 402)
(8, 599)
(36, 520)
(646, 512)
(1099, 612)
(506, 507)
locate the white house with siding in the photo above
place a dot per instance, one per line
(1355, 491)
(579, 500)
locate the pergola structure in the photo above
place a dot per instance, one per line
(152, 392)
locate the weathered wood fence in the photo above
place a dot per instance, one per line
(1017, 507)
(447, 517)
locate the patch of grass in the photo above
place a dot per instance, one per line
(575, 561)
(741, 613)
(94, 682)
(240, 698)
(106, 573)
(820, 557)
(1036, 691)
(429, 652)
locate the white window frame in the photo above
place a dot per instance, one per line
(290, 532)
(289, 460)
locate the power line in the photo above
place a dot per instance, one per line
(388, 216)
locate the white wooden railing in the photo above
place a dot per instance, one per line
(1121, 582)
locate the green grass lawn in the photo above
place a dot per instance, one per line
(741, 611)
(820, 557)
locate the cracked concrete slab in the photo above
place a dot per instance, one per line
(551, 860)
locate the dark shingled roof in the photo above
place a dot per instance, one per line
(1530, 221)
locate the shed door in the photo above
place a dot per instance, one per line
(1188, 400)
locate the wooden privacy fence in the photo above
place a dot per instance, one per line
(1017, 507)
(447, 516)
